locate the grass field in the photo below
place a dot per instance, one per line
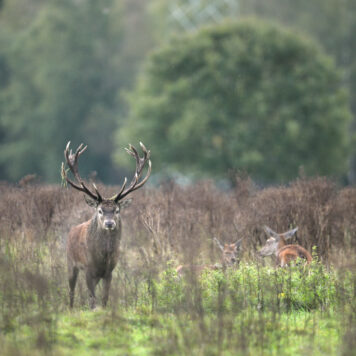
(251, 309)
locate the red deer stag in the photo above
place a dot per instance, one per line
(93, 246)
(229, 257)
(277, 245)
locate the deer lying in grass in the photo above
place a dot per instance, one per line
(229, 257)
(277, 245)
(93, 246)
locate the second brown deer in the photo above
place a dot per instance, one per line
(93, 246)
(229, 257)
(277, 245)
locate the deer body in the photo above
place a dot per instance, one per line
(277, 245)
(93, 246)
(96, 251)
(88, 246)
(289, 253)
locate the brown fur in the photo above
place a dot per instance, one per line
(77, 244)
(288, 253)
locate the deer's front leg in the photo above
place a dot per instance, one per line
(107, 283)
(73, 275)
(91, 284)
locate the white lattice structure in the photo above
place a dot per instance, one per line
(191, 14)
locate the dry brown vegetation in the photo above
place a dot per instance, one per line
(176, 219)
(174, 222)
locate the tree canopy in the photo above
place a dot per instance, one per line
(62, 67)
(241, 96)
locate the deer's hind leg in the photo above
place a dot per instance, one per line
(73, 276)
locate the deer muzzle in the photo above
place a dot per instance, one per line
(109, 224)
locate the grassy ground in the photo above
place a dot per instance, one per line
(134, 333)
(250, 311)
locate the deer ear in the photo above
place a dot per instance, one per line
(287, 235)
(270, 232)
(218, 243)
(125, 203)
(238, 243)
(91, 202)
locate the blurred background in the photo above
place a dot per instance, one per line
(212, 87)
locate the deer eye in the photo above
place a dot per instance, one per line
(100, 212)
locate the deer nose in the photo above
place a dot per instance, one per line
(110, 224)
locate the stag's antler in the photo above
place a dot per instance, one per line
(72, 162)
(140, 163)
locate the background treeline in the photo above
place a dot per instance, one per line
(66, 68)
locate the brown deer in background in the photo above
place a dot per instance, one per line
(229, 257)
(93, 246)
(277, 245)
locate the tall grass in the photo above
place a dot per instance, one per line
(254, 308)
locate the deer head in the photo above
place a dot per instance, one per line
(229, 251)
(107, 209)
(275, 241)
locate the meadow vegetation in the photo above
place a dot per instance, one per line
(252, 309)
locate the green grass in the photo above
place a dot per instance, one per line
(252, 310)
(136, 333)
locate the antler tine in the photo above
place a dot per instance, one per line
(117, 196)
(145, 151)
(140, 163)
(80, 150)
(97, 192)
(144, 180)
(131, 151)
(133, 183)
(72, 161)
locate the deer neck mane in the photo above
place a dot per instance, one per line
(282, 242)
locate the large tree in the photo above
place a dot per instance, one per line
(242, 96)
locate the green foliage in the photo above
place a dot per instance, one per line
(241, 96)
(260, 288)
(315, 18)
(58, 82)
(62, 67)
